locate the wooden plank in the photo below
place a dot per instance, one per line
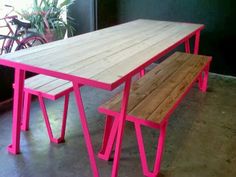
(144, 86)
(105, 63)
(101, 63)
(97, 50)
(93, 59)
(121, 50)
(148, 105)
(51, 85)
(63, 87)
(70, 46)
(176, 94)
(155, 94)
(83, 37)
(37, 81)
(82, 40)
(128, 64)
(45, 84)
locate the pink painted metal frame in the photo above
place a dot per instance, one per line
(110, 130)
(85, 129)
(26, 110)
(26, 116)
(111, 126)
(20, 69)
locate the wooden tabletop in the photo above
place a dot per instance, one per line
(106, 56)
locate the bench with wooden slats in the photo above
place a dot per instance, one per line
(153, 98)
(46, 87)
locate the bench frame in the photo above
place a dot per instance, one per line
(41, 95)
(111, 126)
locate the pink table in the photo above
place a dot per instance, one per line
(103, 59)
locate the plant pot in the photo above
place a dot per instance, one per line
(54, 35)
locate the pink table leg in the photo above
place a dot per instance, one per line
(26, 111)
(196, 49)
(187, 46)
(85, 129)
(197, 40)
(14, 148)
(121, 128)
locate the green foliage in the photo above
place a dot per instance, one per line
(46, 15)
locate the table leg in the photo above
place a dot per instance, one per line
(121, 126)
(187, 46)
(85, 129)
(196, 44)
(14, 148)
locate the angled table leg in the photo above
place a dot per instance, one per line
(187, 46)
(196, 50)
(85, 129)
(196, 43)
(121, 126)
(26, 111)
(14, 148)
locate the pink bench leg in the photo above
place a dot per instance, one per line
(85, 129)
(110, 132)
(26, 111)
(203, 79)
(46, 119)
(14, 148)
(63, 125)
(159, 151)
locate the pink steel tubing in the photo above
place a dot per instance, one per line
(14, 148)
(110, 132)
(203, 79)
(63, 125)
(107, 132)
(85, 129)
(26, 111)
(141, 148)
(196, 50)
(196, 44)
(121, 126)
(47, 122)
(187, 46)
(159, 151)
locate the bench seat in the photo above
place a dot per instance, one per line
(157, 92)
(153, 98)
(50, 88)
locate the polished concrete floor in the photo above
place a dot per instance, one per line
(200, 142)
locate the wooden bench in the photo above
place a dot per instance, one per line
(152, 100)
(46, 87)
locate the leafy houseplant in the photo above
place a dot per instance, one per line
(46, 17)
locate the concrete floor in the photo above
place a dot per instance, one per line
(201, 139)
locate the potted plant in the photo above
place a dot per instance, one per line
(46, 17)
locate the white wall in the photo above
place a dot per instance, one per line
(24, 4)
